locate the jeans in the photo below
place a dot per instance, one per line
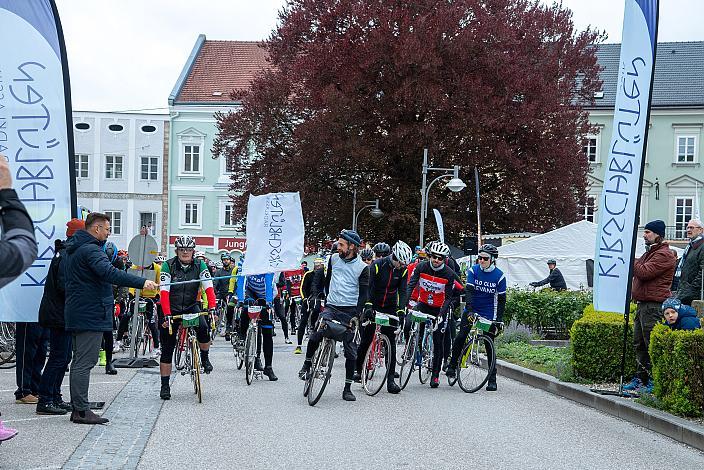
(59, 358)
(31, 343)
(86, 345)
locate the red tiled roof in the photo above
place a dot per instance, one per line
(221, 67)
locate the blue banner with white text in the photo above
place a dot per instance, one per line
(620, 196)
(35, 137)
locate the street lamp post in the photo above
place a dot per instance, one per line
(455, 185)
(373, 205)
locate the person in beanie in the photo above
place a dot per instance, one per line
(555, 278)
(51, 316)
(688, 276)
(679, 316)
(652, 278)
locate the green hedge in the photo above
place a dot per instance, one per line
(597, 345)
(546, 312)
(677, 359)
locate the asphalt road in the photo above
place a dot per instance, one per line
(270, 425)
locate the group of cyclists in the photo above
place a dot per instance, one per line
(344, 292)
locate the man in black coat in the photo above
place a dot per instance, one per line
(51, 316)
(89, 308)
(555, 279)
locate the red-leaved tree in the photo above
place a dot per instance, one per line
(358, 88)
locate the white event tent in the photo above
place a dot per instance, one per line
(571, 246)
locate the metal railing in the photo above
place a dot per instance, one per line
(675, 232)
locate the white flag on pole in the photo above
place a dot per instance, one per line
(275, 233)
(441, 226)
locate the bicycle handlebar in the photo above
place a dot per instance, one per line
(176, 317)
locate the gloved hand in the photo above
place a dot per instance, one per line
(368, 314)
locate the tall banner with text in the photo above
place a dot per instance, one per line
(619, 203)
(275, 233)
(36, 137)
(441, 226)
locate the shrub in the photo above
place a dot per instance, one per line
(547, 312)
(677, 359)
(597, 345)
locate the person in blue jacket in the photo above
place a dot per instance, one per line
(679, 316)
(258, 289)
(89, 306)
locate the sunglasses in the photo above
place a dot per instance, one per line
(437, 257)
(484, 258)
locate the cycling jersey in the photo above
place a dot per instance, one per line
(182, 298)
(436, 289)
(255, 287)
(150, 294)
(387, 285)
(293, 281)
(409, 274)
(224, 286)
(484, 291)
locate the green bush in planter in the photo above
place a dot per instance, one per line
(597, 345)
(546, 312)
(677, 359)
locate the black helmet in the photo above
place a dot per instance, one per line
(351, 236)
(382, 249)
(489, 249)
(366, 254)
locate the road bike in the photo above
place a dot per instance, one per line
(238, 347)
(418, 351)
(191, 354)
(7, 345)
(138, 330)
(376, 361)
(221, 312)
(478, 356)
(323, 359)
(254, 312)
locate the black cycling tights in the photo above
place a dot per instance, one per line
(265, 336)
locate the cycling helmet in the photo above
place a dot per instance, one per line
(366, 254)
(439, 248)
(225, 256)
(160, 259)
(382, 249)
(318, 261)
(199, 254)
(402, 252)
(184, 241)
(351, 236)
(122, 254)
(489, 249)
(219, 265)
(111, 251)
(672, 303)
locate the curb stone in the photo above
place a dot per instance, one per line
(658, 421)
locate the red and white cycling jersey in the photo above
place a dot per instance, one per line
(294, 277)
(431, 290)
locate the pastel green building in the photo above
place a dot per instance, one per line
(673, 176)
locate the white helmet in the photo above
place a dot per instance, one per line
(199, 254)
(184, 241)
(402, 252)
(160, 259)
(439, 248)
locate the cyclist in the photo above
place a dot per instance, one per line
(293, 281)
(224, 288)
(312, 288)
(259, 289)
(381, 250)
(387, 294)
(347, 287)
(279, 293)
(367, 255)
(485, 295)
(180, 299)
(151, 313)
(437, 284)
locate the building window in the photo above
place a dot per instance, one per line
(683, 213)
(590, 209)
(590, 148)
(686, 145)
(81, 160)
(115, 221)
(113, 167)
(150, 168)
(191, 213)
(228, 215)
(148, 220)
(191, 158)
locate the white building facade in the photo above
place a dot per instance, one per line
(121, 161)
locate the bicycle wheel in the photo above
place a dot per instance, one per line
(475, 363)
(139, 337)
(376, 365)
(250, 350)
(408, 360)
(321, 370)
(195, 353)
(237, 350)
(426, 365)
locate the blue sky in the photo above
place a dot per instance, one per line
(127, 55)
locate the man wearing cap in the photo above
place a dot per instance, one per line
(689, 270)
(555, 279)
(652, 277)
